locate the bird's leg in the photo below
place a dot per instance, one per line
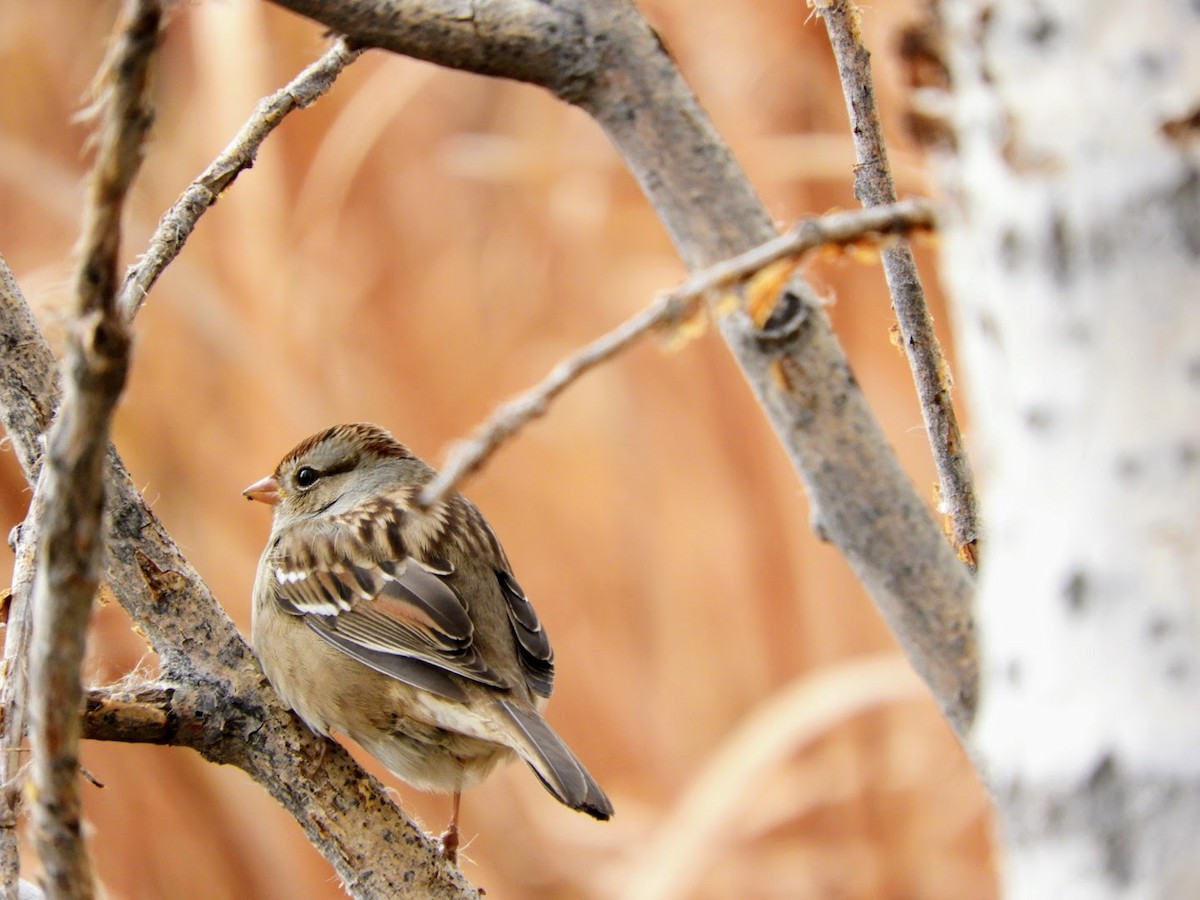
(449, 838)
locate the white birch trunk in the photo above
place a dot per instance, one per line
(1072, 251)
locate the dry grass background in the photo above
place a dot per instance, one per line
(417, 247)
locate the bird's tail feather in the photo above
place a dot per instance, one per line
(554, 764)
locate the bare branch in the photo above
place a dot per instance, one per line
(178, 222)
(670, 309)
(873, 185)
(140, 714)
(13, 699)
(375, 849)
(29, 391)
(28, 394)
(528, 40)
(72, 487)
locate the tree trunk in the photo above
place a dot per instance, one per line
(1072, 249)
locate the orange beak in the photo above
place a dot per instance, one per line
(264, 491)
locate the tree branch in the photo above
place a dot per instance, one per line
(873, 186)
(374, 848)
(168, 714)
(28, 393)
(13, 694)
(603, 57)
(668, 311)
(550, 44)
(71, 493)
(177, 223)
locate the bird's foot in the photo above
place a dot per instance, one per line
(448, 843)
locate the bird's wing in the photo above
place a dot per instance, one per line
(464, 525)
(354, 583)
(533, 645)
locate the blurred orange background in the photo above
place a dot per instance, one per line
(413, 250)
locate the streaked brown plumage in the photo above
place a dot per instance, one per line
(403, 629)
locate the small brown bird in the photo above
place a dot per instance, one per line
(401, 628)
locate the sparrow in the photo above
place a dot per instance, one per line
(401, 627)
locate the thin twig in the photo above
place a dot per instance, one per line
(671, 308)
(13, 699)
(874, 186)
(70, 549)
(28, 392)
(178, 222)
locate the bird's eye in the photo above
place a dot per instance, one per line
(307, 476)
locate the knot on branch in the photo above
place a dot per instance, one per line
(163, 583)
(786, 321)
